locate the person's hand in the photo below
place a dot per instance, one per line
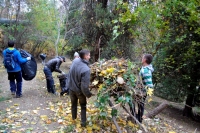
(91, 95)
(28, 58)
(63, 73)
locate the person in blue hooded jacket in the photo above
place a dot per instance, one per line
(14, 74)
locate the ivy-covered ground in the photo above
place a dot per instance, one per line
(38, 111)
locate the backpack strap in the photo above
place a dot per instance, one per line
(12, 54)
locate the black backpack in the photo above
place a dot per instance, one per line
(9, 61)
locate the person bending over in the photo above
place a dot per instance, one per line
(52, 65)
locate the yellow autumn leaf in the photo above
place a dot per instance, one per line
(43, 117)
(94, 126)
(33, 123)
(100, 86)
(113, 127)
(149, 100)
(78, 129)
(54, 131)
(35, 111)
(16, 104)
(102, 73)
(110, 70)
(120, 63)
(150, 91)
(122, 121)
(121, 71)
(131, 124)
(89, 128)
(95, 82)
(13, 131)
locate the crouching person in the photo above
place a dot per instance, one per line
(52, 65)
(79, 79)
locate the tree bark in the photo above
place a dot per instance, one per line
(188, 105)
(157, 110)
(114, 119)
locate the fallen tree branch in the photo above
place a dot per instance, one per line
(135, 119)
(157, 110)
(114, 118)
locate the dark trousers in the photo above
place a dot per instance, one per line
(140, 113)
(74, 101)
(15, 86)
(49, 80)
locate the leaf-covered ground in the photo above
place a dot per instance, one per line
(38, 111)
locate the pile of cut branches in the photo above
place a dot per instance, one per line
(118, 79)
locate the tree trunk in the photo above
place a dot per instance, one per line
(188, 105)
(157, 110)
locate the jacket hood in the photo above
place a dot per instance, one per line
(150, 67)
(10, 50)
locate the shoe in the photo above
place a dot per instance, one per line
(56, 93)
(13, 93)
(83, 124)
(18, 96)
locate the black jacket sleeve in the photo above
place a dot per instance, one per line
(57, 69)
(85, 81)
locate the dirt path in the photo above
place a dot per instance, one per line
(37, 111)
(173, 116)
(29, 108)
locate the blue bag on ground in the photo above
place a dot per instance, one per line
(29, 69)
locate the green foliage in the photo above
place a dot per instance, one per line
(177, 59)
(4, 98)
(122, 94)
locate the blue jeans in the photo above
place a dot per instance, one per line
(15, 87)
(49, 80)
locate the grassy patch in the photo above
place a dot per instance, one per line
(4, 98)
(3, 127)
(69, 128)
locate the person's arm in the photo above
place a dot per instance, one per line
(57, 69)
(20, 59)
(85, 81)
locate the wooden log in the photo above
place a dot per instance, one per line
(142, 126)
(114, 118)
(157, 110)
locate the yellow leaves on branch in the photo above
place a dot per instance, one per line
(110, 70)
(150, 91)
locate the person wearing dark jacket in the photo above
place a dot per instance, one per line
(79, 80)
(52, 65)
(14, 73)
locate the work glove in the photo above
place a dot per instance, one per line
(63, 73)
(28, 58)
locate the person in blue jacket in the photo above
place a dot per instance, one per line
(15, 74)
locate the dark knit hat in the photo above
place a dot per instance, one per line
(63, 58)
